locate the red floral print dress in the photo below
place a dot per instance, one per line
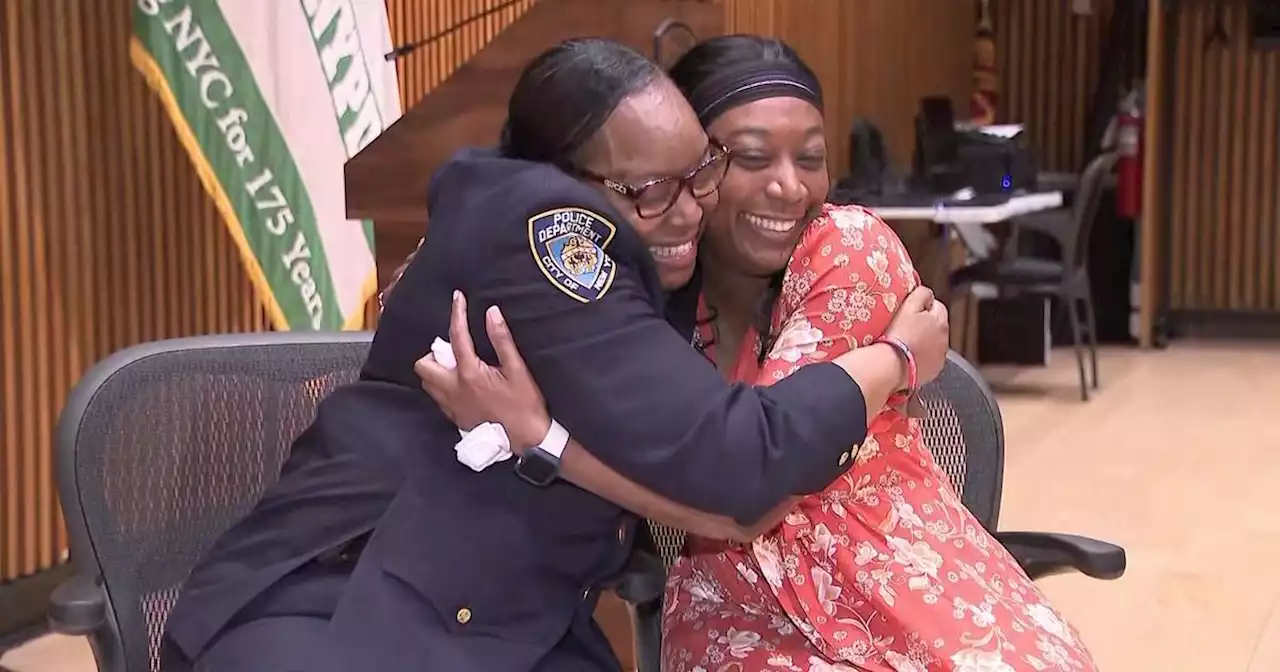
(883, 571)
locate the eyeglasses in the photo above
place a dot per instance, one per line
(655, 197)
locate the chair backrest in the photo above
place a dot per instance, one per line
(1088, 198)
(962, 429)
(868, 155)
(161, 447)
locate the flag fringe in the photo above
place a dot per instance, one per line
(156, 80)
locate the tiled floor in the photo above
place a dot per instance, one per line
(1177, 458)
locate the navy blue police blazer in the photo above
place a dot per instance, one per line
(484, 571)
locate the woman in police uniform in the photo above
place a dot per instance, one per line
(590, 210)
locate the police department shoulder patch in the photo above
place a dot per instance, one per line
(569, 246)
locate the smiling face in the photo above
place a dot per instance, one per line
(653, 135)
(777, 181)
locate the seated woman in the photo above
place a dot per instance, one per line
(885, 569)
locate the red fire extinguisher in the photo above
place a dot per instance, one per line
(1129, 127)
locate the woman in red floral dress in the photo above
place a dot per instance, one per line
(885, 569)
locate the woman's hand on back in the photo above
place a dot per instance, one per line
(396, 275)
(474, 392)
(922, 323)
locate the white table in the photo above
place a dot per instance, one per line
(959, 213)
(970, 221)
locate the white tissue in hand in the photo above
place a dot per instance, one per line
(487, 443)
(443, 352)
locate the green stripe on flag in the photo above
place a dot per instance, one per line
(337, 21)
(209, 79)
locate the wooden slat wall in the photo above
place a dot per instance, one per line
(1224, 238)
(881, 56)
(106, 237)
(425, 68)
(1048, 60)
(876, 58)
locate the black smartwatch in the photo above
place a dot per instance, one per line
(540, 464)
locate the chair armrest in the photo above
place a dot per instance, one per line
(642, 585)
(1044, 554)
(78, 606)
(643, 581)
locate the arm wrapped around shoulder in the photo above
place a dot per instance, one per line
(646, 404)
(583, 306)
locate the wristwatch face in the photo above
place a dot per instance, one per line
(537, 467)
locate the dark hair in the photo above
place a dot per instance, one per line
(709, 61)
(565, 95)
(705, 66)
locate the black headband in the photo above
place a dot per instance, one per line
(750, 82)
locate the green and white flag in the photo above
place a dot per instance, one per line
(270, 99)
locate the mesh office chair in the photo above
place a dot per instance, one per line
(161, 447)
(965, 433)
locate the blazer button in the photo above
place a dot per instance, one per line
(622, 534)
(464, 615)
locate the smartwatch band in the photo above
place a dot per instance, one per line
(555, 441)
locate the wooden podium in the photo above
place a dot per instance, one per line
(387, 181)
